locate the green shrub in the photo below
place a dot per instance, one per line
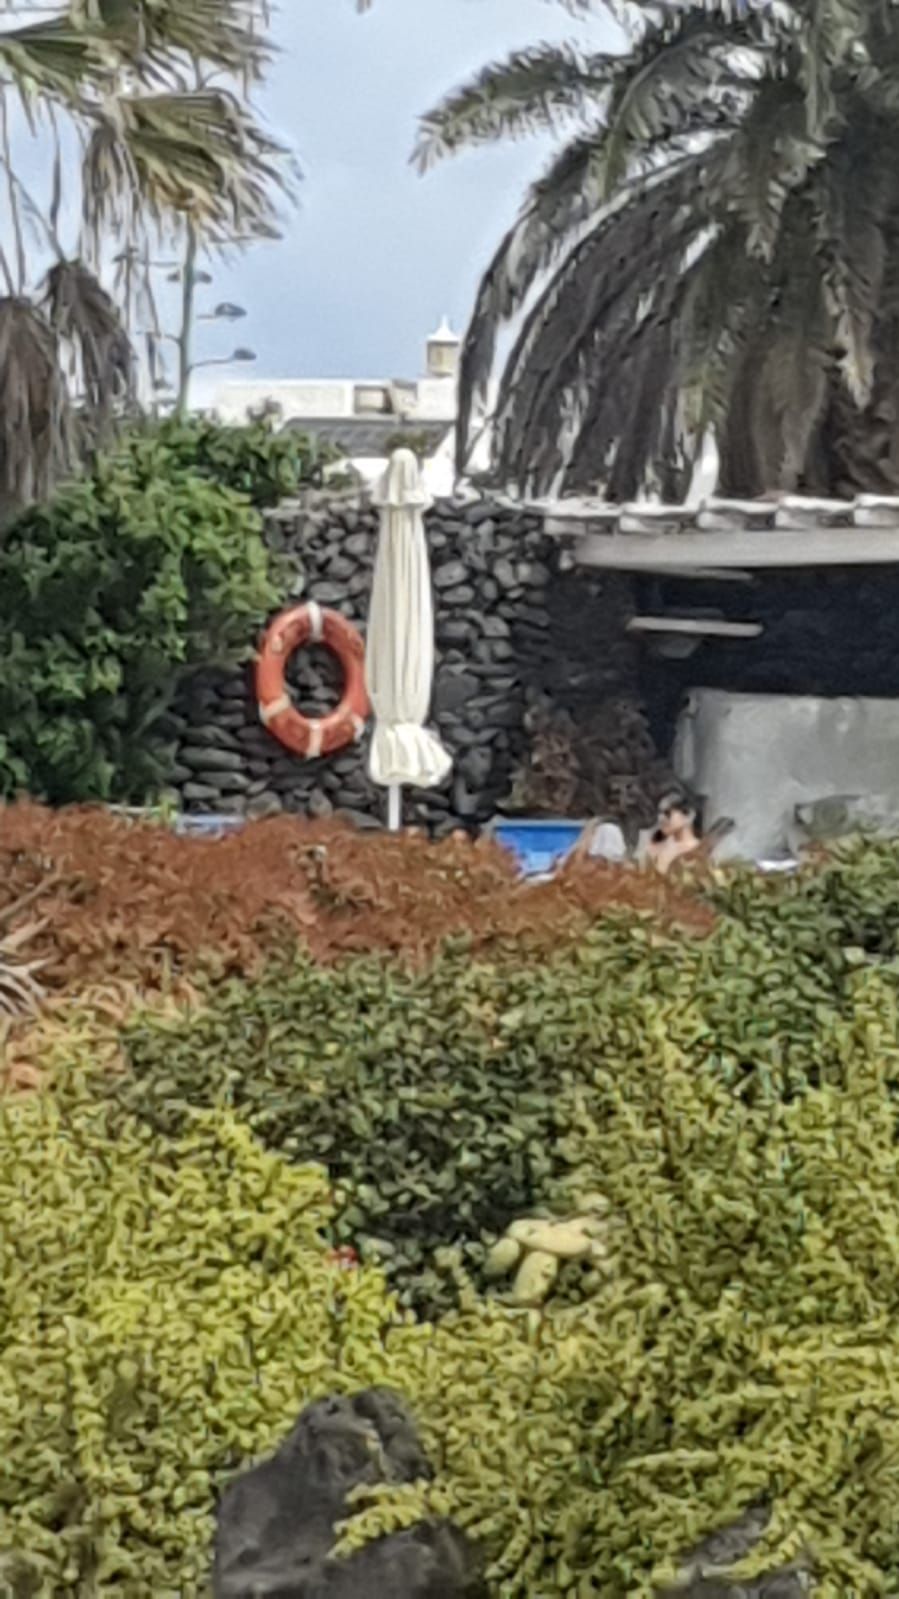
(165, 1311)
(107, 595)
(745, 1352)
(444, 1098)
(258, 460)
(848, 899)
(165, 1308)
(402, 1083)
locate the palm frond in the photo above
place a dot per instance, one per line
(57, 59)
(771, 158)
(788, 366)
(604, 288)
(636, 345)
(531, 90)
(36, 437)
(20, 991)
(728, 301)
(196, 154)
(155, 36)
(695, 56)
(856, 196)
(563, 200)
(832, 32)
(90, 332)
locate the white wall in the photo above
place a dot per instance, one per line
(755, 757)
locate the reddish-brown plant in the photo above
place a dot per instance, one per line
(133, 902)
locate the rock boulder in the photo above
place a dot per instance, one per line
(276, 1523)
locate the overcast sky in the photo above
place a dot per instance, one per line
(377, 254)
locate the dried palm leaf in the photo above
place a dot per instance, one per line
(90, 331)
(8, 913)
(36, 435)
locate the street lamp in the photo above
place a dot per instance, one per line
(223, 313)
(226, 311)
(225, 360)
(193, 277)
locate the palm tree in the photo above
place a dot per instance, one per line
(715, 247)
(144, 94)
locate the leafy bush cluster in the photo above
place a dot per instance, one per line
(152, 563)
(174, 904)
(263, 462)
(162, 1310)
(168, 1301)
(444, 1096)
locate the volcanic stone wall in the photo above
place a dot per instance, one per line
(519, 643)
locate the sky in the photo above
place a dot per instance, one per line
(376, 255)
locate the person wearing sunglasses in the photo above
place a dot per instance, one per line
(675, 835)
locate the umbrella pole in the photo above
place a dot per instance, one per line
(394, 807)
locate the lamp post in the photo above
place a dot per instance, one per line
(190, 275)
(223, 313)
(188, 290)
(226, 360)
(187, 367)
(173, 402)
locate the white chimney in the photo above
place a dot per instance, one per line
(443, 352)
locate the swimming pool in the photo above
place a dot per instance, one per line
(538, 846)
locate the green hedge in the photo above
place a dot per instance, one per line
(152, 563)
(166, 1305)
(166, 1308)
(258, 460)
(165, 1311)
(444, 1097)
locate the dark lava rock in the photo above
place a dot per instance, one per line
(216, 736)
(211, 759)
(463, 595)
(703, 1578)
(276, 1524)
(477, 513)
(227, 782)
(450, 575)
(456, 631)
(495, 627)
(453, 689)
(475, 765)
(200, 794)
(328, 593)
(358, 546)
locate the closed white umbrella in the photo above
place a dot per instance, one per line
(399, 652)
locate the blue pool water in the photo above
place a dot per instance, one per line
(537, 846)
(207, 826)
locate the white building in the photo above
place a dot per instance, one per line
(368, 417)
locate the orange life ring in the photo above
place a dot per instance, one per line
(305, 735)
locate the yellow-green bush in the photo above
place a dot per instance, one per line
(167, 1304)
(163, 1312)
(443, 1097)
(167, 1307)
